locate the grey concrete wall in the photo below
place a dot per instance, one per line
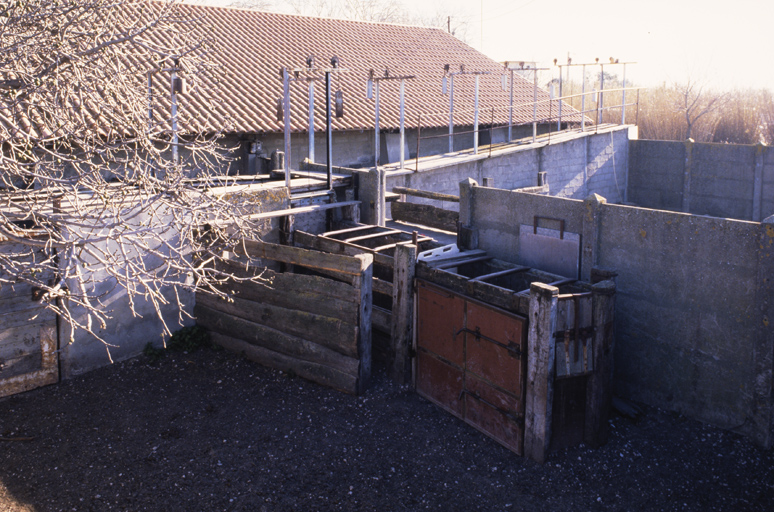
(721, 180)
(694, 308)
(584, 164)
(656, 174)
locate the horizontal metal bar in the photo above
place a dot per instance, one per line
(462, 262)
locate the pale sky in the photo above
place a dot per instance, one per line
(726, 44)
(721, 44)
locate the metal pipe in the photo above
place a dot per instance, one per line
(534, 109)
(419, 137)
(451, 113)
(311, 120)
(286, 119)
(583, 100)
(475, 121)
(175, 154)
(328, 130)
(623, 97)
(510, 112)
(402, 124)
(559, 122)
(377, 149)
(600, 104)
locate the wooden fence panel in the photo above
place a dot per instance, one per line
(314, 326)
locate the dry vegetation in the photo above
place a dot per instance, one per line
(687, 110)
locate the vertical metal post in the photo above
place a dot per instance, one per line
(623, 97)
(583, 99)
(451, 113)
(510, 112)
(175, 154)
(377, 149)
(559, 122)
(328, 129)
(534, 108)
(311, 120)
(419, 138)
(402, 124)
(600, 104)
(475, 120)
(286, 120)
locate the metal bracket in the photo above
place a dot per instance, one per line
(518, 418)
(513, 349)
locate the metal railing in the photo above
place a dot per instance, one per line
(576, 119)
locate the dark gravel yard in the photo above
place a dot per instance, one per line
(211, 431)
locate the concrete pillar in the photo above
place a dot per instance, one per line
(372, 193)
(760, 151)
(687, 174)
(763, 394)
(467, 235)
(539, 404)
(590, 236)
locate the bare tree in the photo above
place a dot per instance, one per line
(698, 105)
(100, 186)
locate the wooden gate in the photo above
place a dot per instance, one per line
(471, 362)
(28, 334)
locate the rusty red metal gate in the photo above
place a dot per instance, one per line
(471, 361)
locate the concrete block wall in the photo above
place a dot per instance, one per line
(722, 177)
(587, 163)
(656, 174)
(721, 180)
(693, 329)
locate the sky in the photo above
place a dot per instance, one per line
(720, 45)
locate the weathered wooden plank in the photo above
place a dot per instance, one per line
(305, 258)
(599, 391)
(364, 346)
(540, 371)
(382, 286)
(278, 341)
(321, 243)
(315, 372)
(323, 330)
(20, 365)
(382, 319)
(501, 273)
(402, 325)
(290, 211)
(49, 367)
(25, 317)
(371, 236)
(425, 215)
(22, 339)
(316, 294)
(460, 262)
(363, 229)
(426, 194)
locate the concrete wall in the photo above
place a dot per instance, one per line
(694, 307)
(721, 180)
(576, 166)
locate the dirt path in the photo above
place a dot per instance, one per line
(209, 431)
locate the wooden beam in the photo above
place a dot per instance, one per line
(426, 194)
(305, 258)
(382, 286)
(487, 277)
(371, 236)
(289, 211)
(402, 325)
(599, 389)
(332, 333)
(540, 371)
(453, 264)
(382, 319)
(333, 246)
(364, 281)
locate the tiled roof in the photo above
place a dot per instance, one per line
(253, 46)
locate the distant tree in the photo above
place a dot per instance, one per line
(696, 104)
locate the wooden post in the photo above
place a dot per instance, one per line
(402, 329)
(599, 389)
(543, 301)
(363, 281)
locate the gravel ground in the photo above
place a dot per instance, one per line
(210, 431)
